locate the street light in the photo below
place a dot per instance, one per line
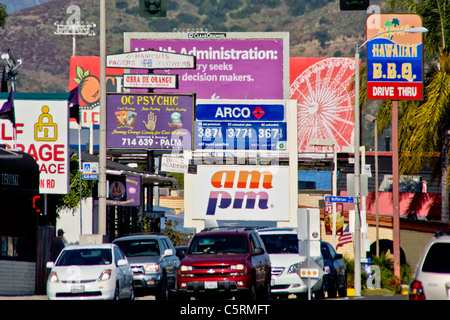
(330, 143)
(357, 233)
(373, 119)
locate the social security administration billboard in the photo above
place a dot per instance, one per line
(233, 65)
(394, 57)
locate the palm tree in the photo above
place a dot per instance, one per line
(424, 126)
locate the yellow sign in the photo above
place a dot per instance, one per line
(45, 129)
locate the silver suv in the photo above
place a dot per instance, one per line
(432, 279)
(153, 261)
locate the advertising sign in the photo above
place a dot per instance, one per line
(132, 190)
(233, 66)
(90, 170)
(149, 81)
(258, 193)
(42, 125)
(149, 121)
(325, 105)
(394, 58)
(150, 59)
(173, 164)
(85, 73)
(240, 125)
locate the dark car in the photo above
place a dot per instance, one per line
(153, 261)
(181, 251)
(334, 275)
(225, 261)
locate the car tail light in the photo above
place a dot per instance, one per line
(416, 291)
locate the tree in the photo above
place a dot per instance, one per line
(3, 15)
(424, 126)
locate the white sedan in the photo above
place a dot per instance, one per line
(90, 272)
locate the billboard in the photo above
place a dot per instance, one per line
(85, 73)
(42, 125)
(325, 105)
(232, 66)
(241, 124)
(147, 121)
(394, 58)
(257, 193)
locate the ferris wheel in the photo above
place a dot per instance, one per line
(325, 104)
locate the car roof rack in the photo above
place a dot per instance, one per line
(236, 228)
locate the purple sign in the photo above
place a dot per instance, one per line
(133, 193)
(149, 121)
(226, 68)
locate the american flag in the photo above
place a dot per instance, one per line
(345, 238)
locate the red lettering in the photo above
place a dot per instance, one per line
(32, 152)
(59, 150)
(4, 136)
(47, 155)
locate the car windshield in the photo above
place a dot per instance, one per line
(85, 257)
(219, 244)
(280, 243)
(137, 248)
(438, 258)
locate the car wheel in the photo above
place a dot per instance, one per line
(163, 293)
(320, 294)
(343, 291)
(132, 296)
(252, 292)
(266, 291)
(117, 293)
(332, 293)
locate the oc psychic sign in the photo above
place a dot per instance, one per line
(149, 121)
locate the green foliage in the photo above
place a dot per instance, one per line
(71, 200)
(172, 233)
(388, 280)
(3, 15)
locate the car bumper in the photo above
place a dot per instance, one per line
(292, 284)
(104, 290)
(236, 285)
(147, 281)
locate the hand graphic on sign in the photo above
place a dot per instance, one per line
(151, 121)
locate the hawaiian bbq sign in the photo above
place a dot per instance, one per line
(149, 121)
(394, 58)
(42, 132)
(241, 193)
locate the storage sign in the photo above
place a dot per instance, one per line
(394, 58)
(41, 131)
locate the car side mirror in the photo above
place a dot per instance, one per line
(122, 262)
(168, 252)
(50, 264)
(337, 256)
(258, 251)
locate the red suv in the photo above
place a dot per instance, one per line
(226, 261)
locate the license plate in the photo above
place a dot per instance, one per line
(210, 284)
(77, 289)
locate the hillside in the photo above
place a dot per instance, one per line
(316, 27)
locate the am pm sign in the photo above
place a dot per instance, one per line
(394, 57)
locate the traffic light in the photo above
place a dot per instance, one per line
(152, 8)
(354, 5)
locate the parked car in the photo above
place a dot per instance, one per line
(90, 272)
(334, 277)
(153, 262)
(282, 244)
(225, 261)
(432, 277)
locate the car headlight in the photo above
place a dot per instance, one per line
(152, 268)
(105, 275)
(295, 268)
(185, 268)
(53, 277)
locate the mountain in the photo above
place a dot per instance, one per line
(17, 5)
(317, 29)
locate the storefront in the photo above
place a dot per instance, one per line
(19, 184)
